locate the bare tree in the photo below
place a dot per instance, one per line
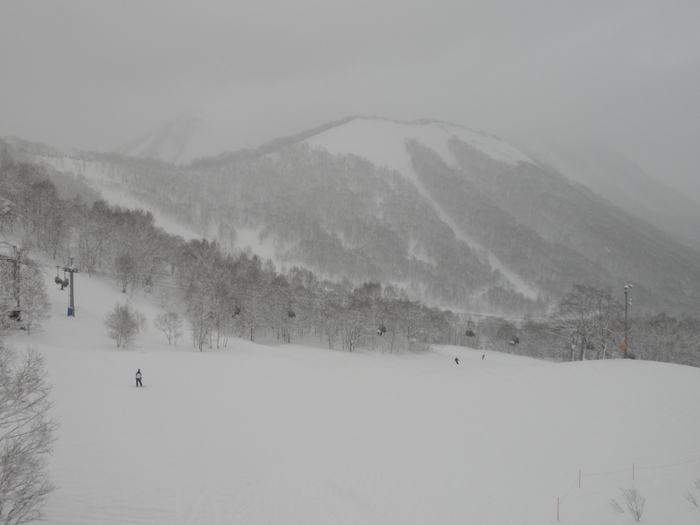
(26, 435)
(205, 291)
(34, 302)
(355, 328)
(328, 310)
(91, 240)
(170, 323)
(588, 317)
(124, 323)
(256, 312)
(125, 271)
(23, 300)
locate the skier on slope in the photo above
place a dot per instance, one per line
(138, 377)
(457, 360)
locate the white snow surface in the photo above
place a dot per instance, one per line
(299, 434)
(383, 142)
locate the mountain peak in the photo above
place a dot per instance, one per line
(180, 140)
(382, 142)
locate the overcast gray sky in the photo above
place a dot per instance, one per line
(95, 74)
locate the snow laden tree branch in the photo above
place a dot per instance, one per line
(26, 435)
(590, 318)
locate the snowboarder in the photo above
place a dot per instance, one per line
(482, 356)
(138, 377)
(457, 360)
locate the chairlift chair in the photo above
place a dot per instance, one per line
(469, 332)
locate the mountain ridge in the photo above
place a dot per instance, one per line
(510, 235)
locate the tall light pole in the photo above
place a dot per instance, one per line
(627, 302)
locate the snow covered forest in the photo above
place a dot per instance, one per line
(450, 218)
(340, 263)
(217, 293)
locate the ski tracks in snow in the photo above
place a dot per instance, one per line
(183, 505)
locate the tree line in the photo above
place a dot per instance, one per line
(588, 323)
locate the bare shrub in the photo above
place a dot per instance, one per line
(635, 502)
(616, 505)
(124, 323)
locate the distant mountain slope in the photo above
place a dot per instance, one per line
(180, 140)
(382, 142)
(451, 216)
(630, 188)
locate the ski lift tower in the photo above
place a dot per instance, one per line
(71, 270)
(627, 302)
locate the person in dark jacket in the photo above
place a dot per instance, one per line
(457, 360)
(138, 377)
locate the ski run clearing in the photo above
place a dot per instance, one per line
(298, 434)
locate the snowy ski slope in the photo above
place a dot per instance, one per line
(298, 434)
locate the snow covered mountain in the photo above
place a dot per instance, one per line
(451, 216)
(383, 142)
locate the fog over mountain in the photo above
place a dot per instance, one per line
(630, 188)
(602, 170)
(454, 217)
(97, 75)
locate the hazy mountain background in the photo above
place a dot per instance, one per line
(629, 187)
(457, 218)
(179, 141)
